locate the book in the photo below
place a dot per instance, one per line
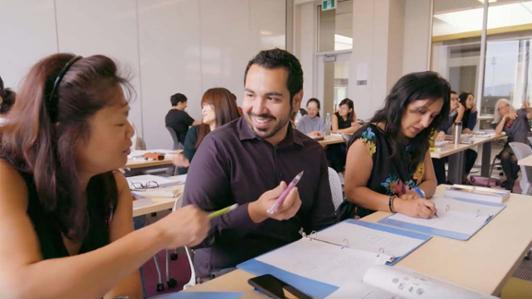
(457, 218)
(325, 263)
(477, 193)
(410, 284)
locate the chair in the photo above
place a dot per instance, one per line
(192, 281)
(173, 133)
(522, 151)
(170, 281)
(336, 188)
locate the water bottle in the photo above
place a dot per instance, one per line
(327, 124)
(457, 132)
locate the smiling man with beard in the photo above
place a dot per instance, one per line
(250, 161)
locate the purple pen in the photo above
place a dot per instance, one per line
(273, 209)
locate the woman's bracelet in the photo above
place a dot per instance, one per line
(390, 202)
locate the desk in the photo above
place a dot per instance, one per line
(482, 263)
(136, 163)
(147, 204)
(525, 161)
(331, 139)
(455, 152)
(141, 163)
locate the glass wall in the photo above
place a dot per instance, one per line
(507, 54)
(456, 49)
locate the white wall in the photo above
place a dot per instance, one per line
(369, 58)
(417, 35)
(165, 46)
(28, 34)
(305, 45)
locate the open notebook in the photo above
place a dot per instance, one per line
(326, 263)
(458, 218)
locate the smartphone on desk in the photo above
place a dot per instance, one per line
(275, 288)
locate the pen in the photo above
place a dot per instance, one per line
(220, 212)
(421, 194)
(273, 209)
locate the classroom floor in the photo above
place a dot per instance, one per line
(524, 271)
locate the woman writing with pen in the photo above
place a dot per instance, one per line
(388, 159)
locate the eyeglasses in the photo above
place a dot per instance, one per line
(140, 186)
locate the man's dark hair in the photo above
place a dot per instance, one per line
(177, 98)
(276, 58)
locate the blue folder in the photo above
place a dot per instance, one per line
(442, 232)
(396, 231)
(319, 289)
(311, 287)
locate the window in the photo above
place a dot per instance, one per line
(456, 49)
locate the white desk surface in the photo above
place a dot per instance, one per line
(331, 139)
(482, 263)
(451, 148)
(147, 205)
(141, 163)
(135, 160)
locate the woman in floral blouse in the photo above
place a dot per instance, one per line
(388, 159)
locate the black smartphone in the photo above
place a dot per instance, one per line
(275, 288)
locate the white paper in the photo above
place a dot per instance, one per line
(410, 284)
(368, 239)
(454, 215)
(321, 261)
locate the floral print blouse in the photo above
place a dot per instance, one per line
(388, 176)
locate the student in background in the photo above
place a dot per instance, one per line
(312, 124)
(469, 119)
(515, 124)
(344, 121)
(7, 99)
(389, 157)
(177, 118)
(64, 209)
(250, 161)
(218, 107)
(456, 111)
(300, 113)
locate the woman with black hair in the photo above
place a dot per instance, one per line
(66, 228)
(344, 121)
(312, 124)
(469, 118)
(7, 98)
(388, 159)
(469, 121)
